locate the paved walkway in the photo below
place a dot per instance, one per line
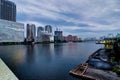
(6, 73)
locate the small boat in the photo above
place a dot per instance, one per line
(80, 70)
(87, 72)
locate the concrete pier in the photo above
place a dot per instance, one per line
(6, 73)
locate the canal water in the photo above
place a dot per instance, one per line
(46, 61)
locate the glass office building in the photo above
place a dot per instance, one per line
(7, 10)
(11, 31)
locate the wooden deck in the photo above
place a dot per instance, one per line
(86, 72)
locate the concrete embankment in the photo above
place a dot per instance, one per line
(6, 73)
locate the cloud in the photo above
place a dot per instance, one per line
(73, 16)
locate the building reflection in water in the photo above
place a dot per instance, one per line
(17, 54)
(44, 51)
(30, 54)
(19, 57)
(58, 49)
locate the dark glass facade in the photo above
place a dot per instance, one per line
(58, 36)
(7, 10)
(31, 32)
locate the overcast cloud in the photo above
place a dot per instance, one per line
(84, 18)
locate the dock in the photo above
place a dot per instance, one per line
(87, 72)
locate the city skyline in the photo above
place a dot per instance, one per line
(83, 18)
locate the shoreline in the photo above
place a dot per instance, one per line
(98, 67)
(29, 43)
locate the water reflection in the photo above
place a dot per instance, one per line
(58, 49)
(15, 54)
(18, 56)
(46, 61)
(44, 51)
(30, 55)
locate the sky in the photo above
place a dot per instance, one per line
(84, 18)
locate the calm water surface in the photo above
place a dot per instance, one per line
(46, 61)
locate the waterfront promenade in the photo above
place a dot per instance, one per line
(6, 73)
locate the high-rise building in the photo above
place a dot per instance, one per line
(30, 33)
(7, 10)
(44, 36)
(48, 28)
(58, 36)
(40, 31)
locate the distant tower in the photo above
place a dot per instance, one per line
(40, 28)
(31, 31)
(39, 33)
(7, 10)
(48, 28)
(58, 35)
